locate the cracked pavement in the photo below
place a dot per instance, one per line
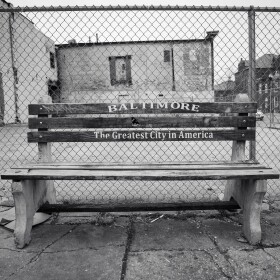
(186, 245)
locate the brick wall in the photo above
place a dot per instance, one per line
(84, 70)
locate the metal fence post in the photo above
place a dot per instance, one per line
(253, 95)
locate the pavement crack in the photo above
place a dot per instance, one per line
(168, 250)
(85, 249)
(226, 275)
(130, 235)
(15, 250)
(73, 250)
(36, 257)
(260, 247)
(224, 254)
(276, 259)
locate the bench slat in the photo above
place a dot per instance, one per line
(174, 163)
(147, 175)
(140, 135)
(121, 166)
(142, 122)
(142, 108)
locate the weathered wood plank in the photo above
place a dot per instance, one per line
(142, 108)
(159, 175)
(168, 163)
(130, 207)
(141, 122)
(140, 135)
(132, 166)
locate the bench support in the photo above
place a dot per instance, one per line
(28, 195)
(249, 195)
(45, 155)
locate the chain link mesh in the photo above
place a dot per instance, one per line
(93, 55)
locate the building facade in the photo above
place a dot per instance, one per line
(135, 71)
(267, 81)
(27, 65)
(224, 92)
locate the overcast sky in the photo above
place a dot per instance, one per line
(230, 45)
(260, 3)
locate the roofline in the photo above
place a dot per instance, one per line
(71, 45)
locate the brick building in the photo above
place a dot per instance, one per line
(224, 92)
(126, 71)
(267, 81)
(27, 65)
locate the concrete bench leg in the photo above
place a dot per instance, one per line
(249, 195)
(28, 195)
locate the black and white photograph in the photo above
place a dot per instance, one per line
(139, 140)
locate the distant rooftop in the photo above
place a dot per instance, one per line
(227, 85)
(265, 61)
(72, 43)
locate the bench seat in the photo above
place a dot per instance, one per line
(142, 171)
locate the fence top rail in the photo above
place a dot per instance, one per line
(139, 8)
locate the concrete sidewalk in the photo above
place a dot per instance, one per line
(190, 245)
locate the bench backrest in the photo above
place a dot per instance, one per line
(151, 121)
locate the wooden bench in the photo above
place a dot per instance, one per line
(176, 121)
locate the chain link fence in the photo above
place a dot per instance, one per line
(136, 54)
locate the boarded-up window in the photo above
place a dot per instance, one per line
(197, 60)
(166, 56)
(120, 70)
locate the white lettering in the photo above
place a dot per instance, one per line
(131, 106)
(123, 107)
(162, 105)
(185, 106)
(153, 135)
(112, 108)
(173, 105)
(195, 108)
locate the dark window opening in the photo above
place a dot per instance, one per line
(166, 56)
(120, 70)
(52, 60)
